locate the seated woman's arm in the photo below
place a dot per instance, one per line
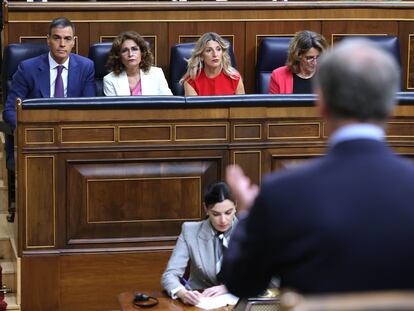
(176, 266)
(240, 88)
(189, 90)
(109, 87)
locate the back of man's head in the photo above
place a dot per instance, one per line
(358, 81)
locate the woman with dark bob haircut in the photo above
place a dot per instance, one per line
(130, 61)
(296, 77)
(202, 244)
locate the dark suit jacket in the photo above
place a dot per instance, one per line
(344, 222)
(32, 80)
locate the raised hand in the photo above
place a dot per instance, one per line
(242, 189)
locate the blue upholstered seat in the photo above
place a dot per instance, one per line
(99, 53)
(12, 56)
(178, 64)
(272, 54)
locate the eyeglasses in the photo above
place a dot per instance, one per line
(132, 50)
(310, 59)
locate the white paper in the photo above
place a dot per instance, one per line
(208, 303)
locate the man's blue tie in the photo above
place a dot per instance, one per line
(59, 83)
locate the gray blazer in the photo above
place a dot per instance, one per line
(196, 244)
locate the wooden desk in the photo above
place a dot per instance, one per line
(165, 303)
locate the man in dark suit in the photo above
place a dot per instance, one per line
(345, 221)
(36, 77)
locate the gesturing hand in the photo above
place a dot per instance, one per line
(189, 297)
(215, 291)
(243, 190)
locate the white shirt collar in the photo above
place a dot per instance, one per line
(357, 131)
(53, 64)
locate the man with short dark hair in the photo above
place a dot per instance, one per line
(58, 73)
(345, 221)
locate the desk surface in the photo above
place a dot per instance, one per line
(165, 303)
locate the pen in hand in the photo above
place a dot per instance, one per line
(186, 285)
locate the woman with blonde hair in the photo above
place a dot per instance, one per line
(130, 61)
(296, 77)
(209, 69)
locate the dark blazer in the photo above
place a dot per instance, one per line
(32, 80)
(344, 222)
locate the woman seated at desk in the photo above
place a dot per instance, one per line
(202, 244)
(130, 61)
(209, 70)
(296, 77)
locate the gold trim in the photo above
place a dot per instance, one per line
(408, 62)
(144, 126)
(201, 125)
(198, 178)
(246, 125)
(260, 160)
(198, 36)
(293, 123)
(45, 37)
(36, 129)
(54, 202)
(397, 136)
(356, 35)
(399, 19)
(88, 127)
(264, 36)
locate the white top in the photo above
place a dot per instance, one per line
(153, 82)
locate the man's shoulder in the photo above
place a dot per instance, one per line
(34, 61)
(81, 59)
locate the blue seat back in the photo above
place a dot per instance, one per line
(99, 53)
(272, 54)
(12, 56)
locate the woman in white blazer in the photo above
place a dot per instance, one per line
(130, 61)
(201, 243)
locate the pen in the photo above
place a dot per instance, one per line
(186, 285)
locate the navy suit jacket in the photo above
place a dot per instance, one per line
(344, 222)
(32, 80)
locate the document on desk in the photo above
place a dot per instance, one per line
(209, 303)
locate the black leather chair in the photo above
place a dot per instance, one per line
(99, 53)
(178, 64)
(12, 56)
(272, 54)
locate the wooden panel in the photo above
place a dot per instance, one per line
(247, 131)
(43, 271)
(201, 132)
(40, 201)
(250, 162)
(400, 129)
(121, 199)
(293, 130)
(39, 136)
(145, 133)
(288, 158)
(112, 274)
(88, 134)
